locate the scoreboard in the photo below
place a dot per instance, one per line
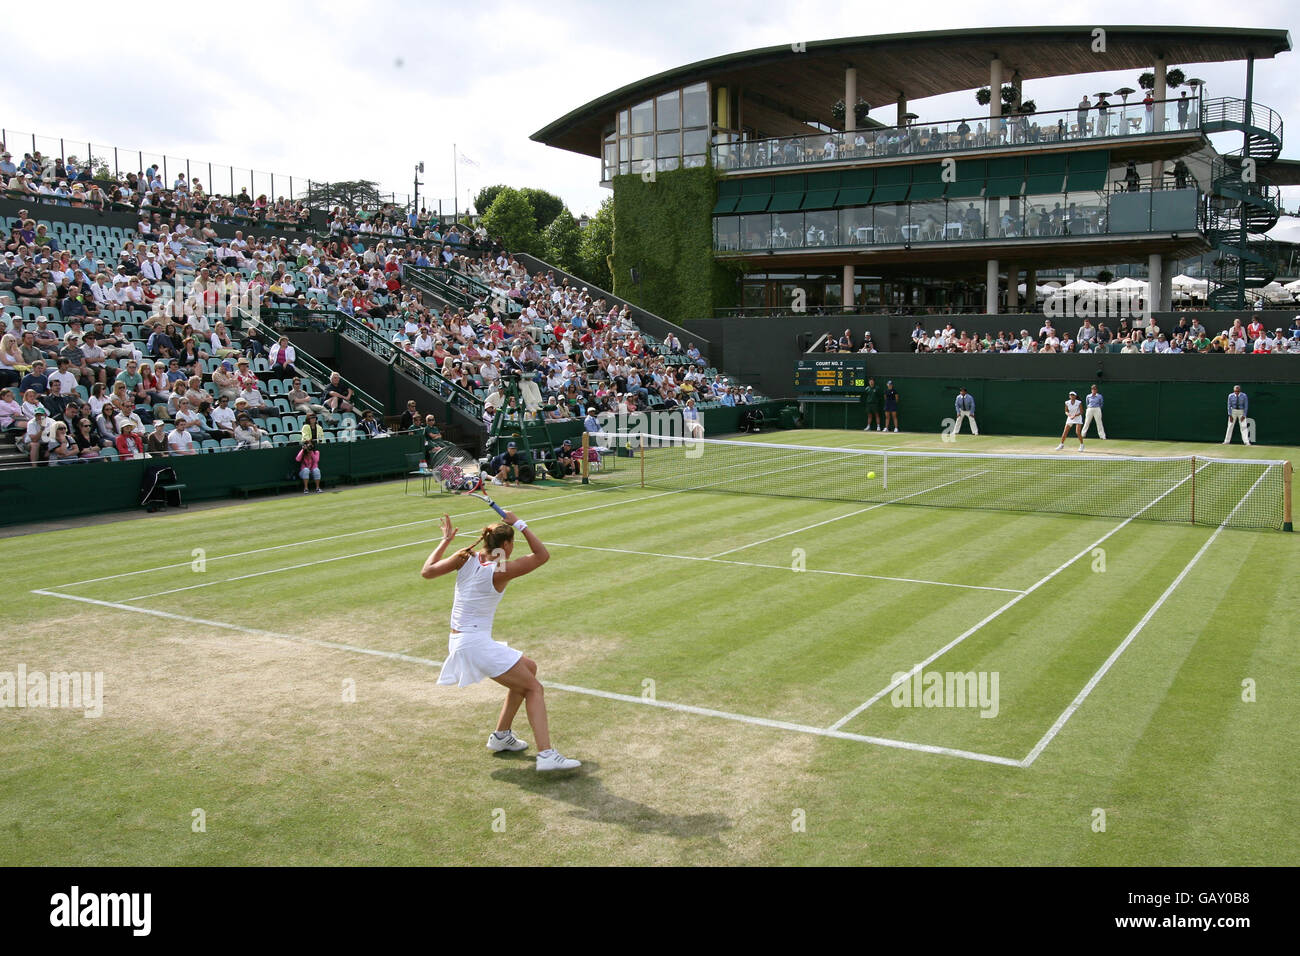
(831, 375)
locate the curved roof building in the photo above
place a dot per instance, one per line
(744, 181)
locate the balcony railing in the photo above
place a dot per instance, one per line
(1093, 125)
(1118, 212)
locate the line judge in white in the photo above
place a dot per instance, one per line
(1073, 417)
(481, 581)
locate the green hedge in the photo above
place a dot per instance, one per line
(664, 229)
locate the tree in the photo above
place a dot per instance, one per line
(352, 194)
(561, 242)
(483, 201)
(596, 246)
(511, 220)
(546, 206)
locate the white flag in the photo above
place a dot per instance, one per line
(466, 161)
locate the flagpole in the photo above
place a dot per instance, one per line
(455, 208)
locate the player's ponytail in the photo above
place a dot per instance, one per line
(494, 536)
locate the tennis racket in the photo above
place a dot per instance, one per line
(492, 504)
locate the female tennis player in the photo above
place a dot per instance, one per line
(1073, 416)
(481, 580)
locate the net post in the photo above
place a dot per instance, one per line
(586, 445)
(1286, 496)
(1193, 489)
(641, 442)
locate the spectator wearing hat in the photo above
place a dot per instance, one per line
(128, 443)
(32, 441)
(249, 435)
(225, 379)
(72, 359)
(156, 443)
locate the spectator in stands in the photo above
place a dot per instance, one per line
(338, 396)
(156, 442)
(283, 357)
(220, 343)
(180, 441)
(193, 420)
(248, 434)
(45, 338)
(129, 444)
(371, 426)
(409, 417)
(62, 448)
(56, 400)
(12, 365)
(226, 380)
(12, 417)
(160, 344)
(33, 438)
(300, 400)
(86, 439)
(223, 418)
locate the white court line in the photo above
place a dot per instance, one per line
(1151, 612)
(411, 544)
(571, 688)
(999, 612)
(349, 534)
(781, 567)
(331, 537)
(860, 511)
(293, 544)
(391, 547)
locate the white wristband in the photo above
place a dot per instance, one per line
(520, 526)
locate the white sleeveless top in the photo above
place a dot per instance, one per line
(476, 599)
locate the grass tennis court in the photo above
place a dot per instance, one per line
(724, 665)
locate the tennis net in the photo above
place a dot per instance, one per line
(1238, 493)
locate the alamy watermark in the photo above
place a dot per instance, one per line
(58, 690)
(916, 688)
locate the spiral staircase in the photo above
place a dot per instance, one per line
(1242, 206)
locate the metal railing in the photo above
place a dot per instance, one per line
(1076, 126)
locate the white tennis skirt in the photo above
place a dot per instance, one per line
(473, 655)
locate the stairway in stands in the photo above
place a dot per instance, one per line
(1243, 208)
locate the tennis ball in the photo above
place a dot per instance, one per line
(871, 474)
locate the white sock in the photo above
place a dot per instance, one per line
(547, 752)
(501, 733)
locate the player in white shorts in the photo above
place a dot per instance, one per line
(1073, 416)
(472, 654)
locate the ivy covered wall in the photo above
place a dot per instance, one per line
(664, 230)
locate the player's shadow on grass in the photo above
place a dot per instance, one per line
(584, 790)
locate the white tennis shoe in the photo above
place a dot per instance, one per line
(1060, 446)
(553, 760)
(507, 741)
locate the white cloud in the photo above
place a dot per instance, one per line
(316, 90)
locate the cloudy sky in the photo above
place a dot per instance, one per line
(346, 91)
